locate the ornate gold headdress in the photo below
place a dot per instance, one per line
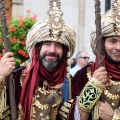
(110, 24)
(52, 29)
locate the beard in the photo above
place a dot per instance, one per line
(50, 64)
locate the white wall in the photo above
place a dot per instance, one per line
(41, 7)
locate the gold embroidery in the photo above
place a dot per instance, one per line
(115, 82)
(67, 104)
(106, 92)
(22, 79)
(116, 115)
(43, 106)
(63, 114)
(111, 96)
(64, 109)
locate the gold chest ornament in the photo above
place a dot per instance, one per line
(45, 103)
(111, 94)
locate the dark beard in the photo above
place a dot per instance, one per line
(50, 65)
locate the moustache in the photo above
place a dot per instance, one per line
(51, 54)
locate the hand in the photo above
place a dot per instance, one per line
(101, 75)
(7, 64)
(105, 111)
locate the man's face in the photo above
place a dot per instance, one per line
(112, 46)
(51, 54)
(83, 60)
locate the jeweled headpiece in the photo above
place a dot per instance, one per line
(110, 24)
(52, 29)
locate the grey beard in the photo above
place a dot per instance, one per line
(50, 65)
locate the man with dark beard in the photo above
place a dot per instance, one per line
(43, 85)
(96, 91)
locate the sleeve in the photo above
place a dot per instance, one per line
(18, 79)
(79, 81)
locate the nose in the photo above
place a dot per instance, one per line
(52, 48)
(118, 46)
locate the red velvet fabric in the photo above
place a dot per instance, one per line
(78, 82)
(34, 75)
(112, 69)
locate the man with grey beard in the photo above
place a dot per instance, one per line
(50, 64)
(43, 84)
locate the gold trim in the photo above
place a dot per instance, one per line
(65, 109)
(63, 114)
(115, 82)
(67, 104)
(46, 92)
(41, 106)
(94, 81)
(106, 92)
(111, 96)
(89, 96)
(116, 115)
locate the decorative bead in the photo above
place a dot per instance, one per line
(113, 104)
(41, 114)
(68, 68)
(56, 19)
(111, 96)
(68, 54)
(68, 61)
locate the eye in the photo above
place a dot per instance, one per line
(58, 45)
(47, 43)
(112, 41)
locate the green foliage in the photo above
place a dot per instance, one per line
(17, 31)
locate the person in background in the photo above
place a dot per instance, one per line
(72, 62)
(82, 60)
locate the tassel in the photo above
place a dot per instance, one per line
(95, 112)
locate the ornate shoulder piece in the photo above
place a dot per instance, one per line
(26, 64)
